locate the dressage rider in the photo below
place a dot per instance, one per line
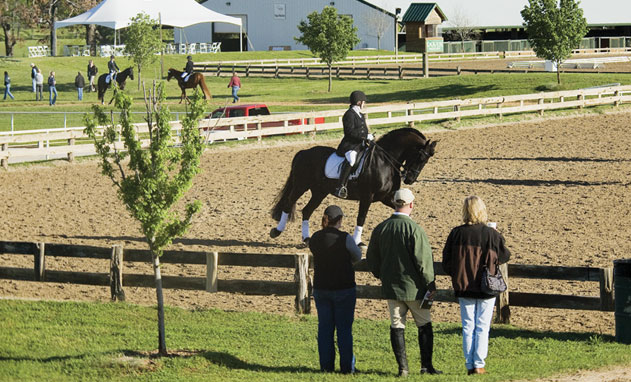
(188, 69)
(355, 137)
(113, 68)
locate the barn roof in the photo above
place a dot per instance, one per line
(418, 12)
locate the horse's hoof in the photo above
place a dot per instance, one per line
(274, 233)
(305, 242)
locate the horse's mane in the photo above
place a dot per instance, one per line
(395, 137)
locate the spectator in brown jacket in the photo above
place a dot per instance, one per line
(469, 248)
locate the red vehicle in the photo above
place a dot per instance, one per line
(250, 110)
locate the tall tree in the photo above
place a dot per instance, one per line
(153, 180)
(142, 41)
(14, 14)
(379, 23)
(328, 35)
(49, 11)
(554, 29)
(462, 26)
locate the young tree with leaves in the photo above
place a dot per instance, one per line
(153, 179)
(328, 35)
(142, 41)
(14, 14)
(554, 28)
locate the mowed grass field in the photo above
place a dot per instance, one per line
(66, 341)
(281, 95)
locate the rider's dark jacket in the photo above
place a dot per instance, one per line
(112, 67)
(189, 67)
(355, 132)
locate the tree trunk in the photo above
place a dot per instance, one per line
(558, 63)
(9, 39)
(90, 38)
(139, 74)
(330, 78)
(378, 42)
(52, 11)
(162, 346)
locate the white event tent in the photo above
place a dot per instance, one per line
(116, 14)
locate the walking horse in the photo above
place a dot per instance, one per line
(194, 80)
(121, 77)
(398, 156)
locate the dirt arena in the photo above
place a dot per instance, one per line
(557, 188)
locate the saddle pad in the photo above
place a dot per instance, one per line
(333, 167)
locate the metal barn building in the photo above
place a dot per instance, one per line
(273, 24)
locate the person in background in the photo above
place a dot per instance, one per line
(334, 253)
(113, 69)
(355, 136)
(79, 83)
(469, 248)
(39, 81)
(7, 86)
(235, 83)
(188, 69)
(33, 74)
(399, 255)
(52, 89)
(92, 71)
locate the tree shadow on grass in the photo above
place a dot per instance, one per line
(232, 362)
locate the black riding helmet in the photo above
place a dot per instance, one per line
(357, 96)
(189, 58)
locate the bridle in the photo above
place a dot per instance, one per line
(422, 155)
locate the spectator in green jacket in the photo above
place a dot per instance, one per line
(399, 255)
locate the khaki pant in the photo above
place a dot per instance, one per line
(399, 309)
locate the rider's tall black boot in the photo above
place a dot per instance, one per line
(426, 344)
(341, 191)
(397, 339)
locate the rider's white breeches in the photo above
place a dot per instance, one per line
(351, 157)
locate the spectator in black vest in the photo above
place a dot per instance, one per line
(334, 253)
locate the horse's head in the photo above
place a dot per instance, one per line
(171, 74)
(131, 72)
(414, 165)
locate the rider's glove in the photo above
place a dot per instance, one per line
(370, 137)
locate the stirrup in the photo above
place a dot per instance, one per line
(341, 192)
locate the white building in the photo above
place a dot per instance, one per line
(273, 24)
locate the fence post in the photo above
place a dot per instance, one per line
(259, 127)
(40, 262)
(541, 103)
(410, 112)
(616, 94)
(581, 97)
(116, 273)
(5, 161)
(400, 72)
(457, 109)
(605, 276)
(212, 260)
(70, 153)
(502, 303)
(303, 284)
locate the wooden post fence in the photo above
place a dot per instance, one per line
(212, 260)
(605, 276)
(40, 262)
(503, 307)
(303, 281)
(116, 274)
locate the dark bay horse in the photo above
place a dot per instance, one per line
(399, 155)
(194, 80)
(121, 77)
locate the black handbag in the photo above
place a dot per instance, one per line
(492, 284)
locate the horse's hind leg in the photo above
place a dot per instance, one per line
(316, 199)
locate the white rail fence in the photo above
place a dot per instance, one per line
(37, 145)
(407, 58)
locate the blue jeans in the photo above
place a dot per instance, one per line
(235, 97)
(476, 317)
(51, 90)
(7, 92)
(80, 93)
(336, 310)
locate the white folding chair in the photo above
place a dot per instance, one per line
(191, 48)
(203, 48)
(216, 47)
(182, 49)
(170, 49)
(32, 51)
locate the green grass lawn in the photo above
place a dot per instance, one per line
(55, 341)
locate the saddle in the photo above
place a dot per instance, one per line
(333, 165)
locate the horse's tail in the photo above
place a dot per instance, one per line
(202, 83)
(282, 199)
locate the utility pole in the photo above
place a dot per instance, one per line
(397, 12)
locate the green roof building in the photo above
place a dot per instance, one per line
(421, 22)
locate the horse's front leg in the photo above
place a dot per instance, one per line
(364, 206)
(307, 211)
